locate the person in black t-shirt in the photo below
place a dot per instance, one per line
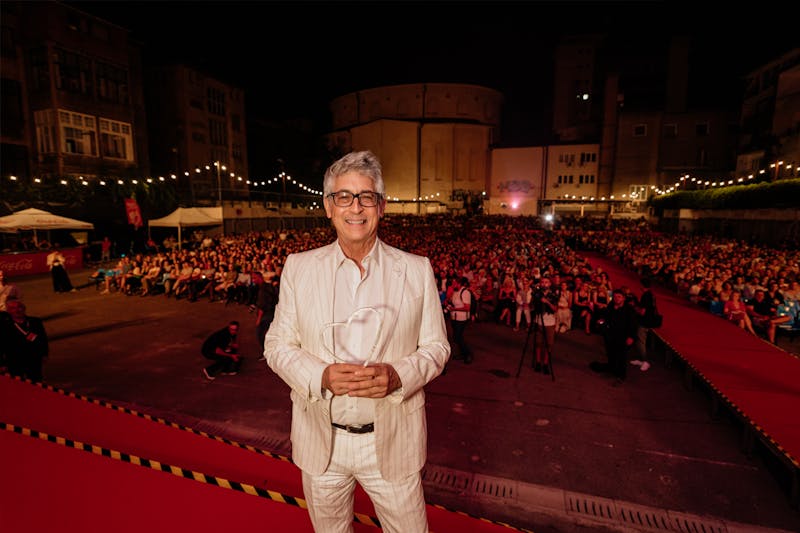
(222, 347)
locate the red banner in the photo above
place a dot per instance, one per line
(134, 214)
(24, 263)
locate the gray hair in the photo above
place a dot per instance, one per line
(365, 163)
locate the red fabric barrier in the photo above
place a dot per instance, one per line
(760, 379)
(33, 407)
(48, 487)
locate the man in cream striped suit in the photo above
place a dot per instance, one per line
(357, 334)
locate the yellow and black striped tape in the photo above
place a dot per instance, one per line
(199, 476)
(360, 518)
(734, 406)
(151, 418)
(174, 470)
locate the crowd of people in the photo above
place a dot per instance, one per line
(504, 261)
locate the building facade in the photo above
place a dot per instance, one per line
(770, 119)
(72, 96)
(197, 133)
(433, 140)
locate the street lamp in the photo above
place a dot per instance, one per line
(220, 168)
(282, 175)
(777, 167)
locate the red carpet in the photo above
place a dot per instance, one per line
(760, 380)
(134, 473)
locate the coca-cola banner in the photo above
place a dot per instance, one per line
(24, 263)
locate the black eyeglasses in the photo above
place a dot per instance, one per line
(345, 198)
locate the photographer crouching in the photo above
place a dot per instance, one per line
(545, 304)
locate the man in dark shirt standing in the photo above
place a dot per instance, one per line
(24, 342)
(619, 333)
(222, 347)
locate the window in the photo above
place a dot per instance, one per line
(638, 193)
(112, 83)
(640, 130)
(40, 71)
(216, 101)
(670, 131)
(73, 72)
(77, 133)
(701, 129)
(217, 133)
(236, 122)
(116, 140)
(45, 131)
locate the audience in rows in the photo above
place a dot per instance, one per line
(504, 258)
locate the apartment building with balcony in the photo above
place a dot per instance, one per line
(72, 99)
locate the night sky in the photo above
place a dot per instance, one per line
(300, 55)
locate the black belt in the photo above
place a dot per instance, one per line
(365, 428)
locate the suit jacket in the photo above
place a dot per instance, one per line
(413, 340)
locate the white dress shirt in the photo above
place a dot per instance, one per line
(354, 298)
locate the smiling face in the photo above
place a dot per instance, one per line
(356, 226)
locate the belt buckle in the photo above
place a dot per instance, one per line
(357, 430)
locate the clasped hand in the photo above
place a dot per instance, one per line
(373, 381)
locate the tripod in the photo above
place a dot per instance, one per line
(535, 328)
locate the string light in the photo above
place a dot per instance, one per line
(774, 169)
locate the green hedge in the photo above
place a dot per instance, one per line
(784, 193)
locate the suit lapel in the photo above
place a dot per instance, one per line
(322, 290)
(393, 271)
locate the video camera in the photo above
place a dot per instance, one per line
(540, 295)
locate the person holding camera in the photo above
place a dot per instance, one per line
(545, 304)
(619, 334)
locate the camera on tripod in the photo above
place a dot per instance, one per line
(540, 296)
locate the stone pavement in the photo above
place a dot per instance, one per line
(562, 453)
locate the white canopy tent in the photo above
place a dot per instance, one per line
(37, 219)
(184, 217)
